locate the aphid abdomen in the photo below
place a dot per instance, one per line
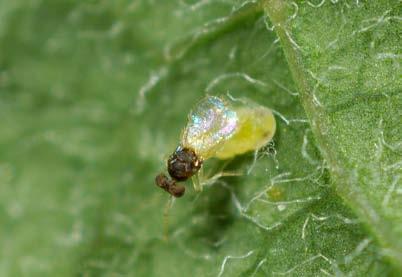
(256, 128)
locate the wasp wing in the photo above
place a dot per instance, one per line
(211, 123)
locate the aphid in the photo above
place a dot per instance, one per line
(218, 127)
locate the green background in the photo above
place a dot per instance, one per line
(93, 98)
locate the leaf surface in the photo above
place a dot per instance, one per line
(94, 96)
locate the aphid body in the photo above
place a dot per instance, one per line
(222, 128)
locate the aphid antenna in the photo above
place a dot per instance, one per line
(235, 99)
(255, 158)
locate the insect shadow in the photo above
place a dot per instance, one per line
(214, 205)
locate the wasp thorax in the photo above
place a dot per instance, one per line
(183, 164)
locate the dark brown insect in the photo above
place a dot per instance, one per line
(169, 185)
(182, 164)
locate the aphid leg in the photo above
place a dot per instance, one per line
(208, 179)
(166, 211)
(225, 164)
(211, 180)
(206, 175)
(251, 167)
(196, 181)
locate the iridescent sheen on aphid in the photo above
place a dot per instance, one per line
(210, 123)
(223, 128)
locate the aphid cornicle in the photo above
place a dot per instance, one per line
(217, 127)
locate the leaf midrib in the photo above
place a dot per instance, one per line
(317, 115)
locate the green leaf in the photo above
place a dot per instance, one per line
(347, 70)
(93, 98)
